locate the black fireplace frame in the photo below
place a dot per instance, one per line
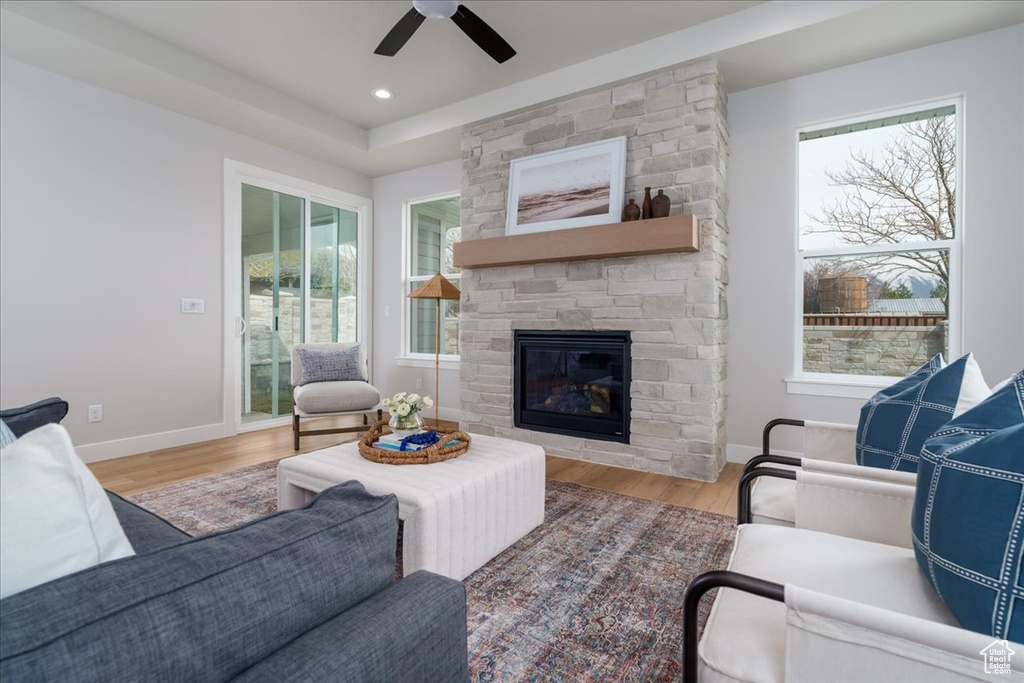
(598, 428)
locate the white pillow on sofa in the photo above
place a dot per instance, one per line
(55, 518)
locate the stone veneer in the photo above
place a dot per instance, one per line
(861, 350)
(674, 304)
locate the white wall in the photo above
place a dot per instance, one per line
(988, 69)
(389, 192)
(112, 210)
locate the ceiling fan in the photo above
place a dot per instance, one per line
(472, 25)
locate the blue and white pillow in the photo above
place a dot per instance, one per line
(968, 521)
(895, 422)
(332, 365)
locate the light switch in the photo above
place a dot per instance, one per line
(193, 305)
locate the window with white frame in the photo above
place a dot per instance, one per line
(434, 226)
(879, 242)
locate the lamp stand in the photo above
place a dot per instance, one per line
(437, 288)
(437, 368)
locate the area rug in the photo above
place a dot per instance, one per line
(593, 594)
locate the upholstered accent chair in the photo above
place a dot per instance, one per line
(893, 425)
(768, 487)
(331, 398)
(838, 598)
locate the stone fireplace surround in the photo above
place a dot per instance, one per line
(673, 304)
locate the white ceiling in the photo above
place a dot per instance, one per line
(322, 52)
(298, 74)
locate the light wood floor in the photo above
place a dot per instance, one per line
(145, 471)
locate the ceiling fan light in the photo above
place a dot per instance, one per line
(436, 9)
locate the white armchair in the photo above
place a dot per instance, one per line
(767, 494)
(841, 598)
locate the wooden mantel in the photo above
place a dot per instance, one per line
(635, 238)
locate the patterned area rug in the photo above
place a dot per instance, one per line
(217, 502)
(593, 594)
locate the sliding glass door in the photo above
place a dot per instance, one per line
(300, 272)
(333, 276)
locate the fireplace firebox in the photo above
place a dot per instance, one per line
(573, 382)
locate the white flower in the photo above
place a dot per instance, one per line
(403, 409)
(427, 401)
(399, 397)
(386, 403)
(413, 398)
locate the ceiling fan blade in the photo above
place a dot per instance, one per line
(400, 34)
(483, 35)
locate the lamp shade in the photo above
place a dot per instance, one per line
(437, 287)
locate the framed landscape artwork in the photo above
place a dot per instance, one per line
(567, 188)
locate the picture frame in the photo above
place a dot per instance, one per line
(567, 188)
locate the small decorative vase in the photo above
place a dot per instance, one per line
(647, 203)
(630, 212)
(660, 205)
(409, 423)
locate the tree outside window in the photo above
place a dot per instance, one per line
(878, 235)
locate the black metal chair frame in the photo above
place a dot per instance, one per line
(766, 433)
(743, 512)
(755, 468)
(691, 608)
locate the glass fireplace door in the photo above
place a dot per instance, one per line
(573, 383)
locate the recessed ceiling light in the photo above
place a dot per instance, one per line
(383, 94)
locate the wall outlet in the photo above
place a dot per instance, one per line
(419, 383)
(95, 413)
(387, 311)
(193, 305)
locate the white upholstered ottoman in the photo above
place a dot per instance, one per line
(457, 514)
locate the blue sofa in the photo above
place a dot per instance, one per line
(302, 595)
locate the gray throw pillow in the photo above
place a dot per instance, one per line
(332, 365)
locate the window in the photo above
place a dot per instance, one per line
(434, 226)
(879, 243)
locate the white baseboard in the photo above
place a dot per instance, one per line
(264, 424)
(118, 448)
(736, 453)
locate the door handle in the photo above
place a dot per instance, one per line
(240, 326)
(275, 323)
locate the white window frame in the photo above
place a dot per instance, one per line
(448, 361)
(864, 386)
(236, 174)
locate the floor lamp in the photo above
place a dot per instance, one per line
(437, 288)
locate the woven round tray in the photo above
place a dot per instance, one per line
(439, 452)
